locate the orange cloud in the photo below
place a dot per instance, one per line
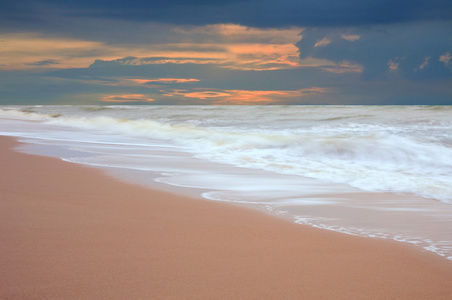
(199, 95)
(254, 97)
(230, 46)
(350, 37)
(127, 98)
(228, 33)
(26, 50)
(262, 56)
(239, 97)
(424, 64)
(234, 56)
(445, 58)
(137, 82)
(323, 42)
(226, 45)
(31, 50)
(171, 80)
(392, 65)
(244, 56)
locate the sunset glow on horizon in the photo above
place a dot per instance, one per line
(173, 58)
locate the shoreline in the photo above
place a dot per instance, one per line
(69, 231)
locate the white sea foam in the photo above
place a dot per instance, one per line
(374, 156)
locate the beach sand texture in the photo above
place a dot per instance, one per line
(72, 232)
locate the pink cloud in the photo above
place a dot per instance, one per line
(238, 97)
(199, 95)
(256, 97)
(229, 46)
(171, 80)
(139, 82)
(393, 65)
(424, 64)
(323, 42)
(445, 58)
(243, 56)
(351, 37)
(127, 98)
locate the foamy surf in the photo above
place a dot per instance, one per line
(305, 162)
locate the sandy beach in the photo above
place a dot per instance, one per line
(72, 232)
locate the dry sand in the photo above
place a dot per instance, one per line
(72, 232)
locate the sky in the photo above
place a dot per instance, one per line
(255, 52)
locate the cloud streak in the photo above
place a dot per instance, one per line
(33, 50)
(127, 98)
(227, 45)
(246, 97)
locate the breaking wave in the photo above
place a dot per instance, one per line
(372, 157)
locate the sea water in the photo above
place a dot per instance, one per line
(377, 171)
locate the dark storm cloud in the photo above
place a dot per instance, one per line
(412, 50)
(259, 13)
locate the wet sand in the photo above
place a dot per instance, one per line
(72, 232)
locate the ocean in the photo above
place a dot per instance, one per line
(375, 171)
